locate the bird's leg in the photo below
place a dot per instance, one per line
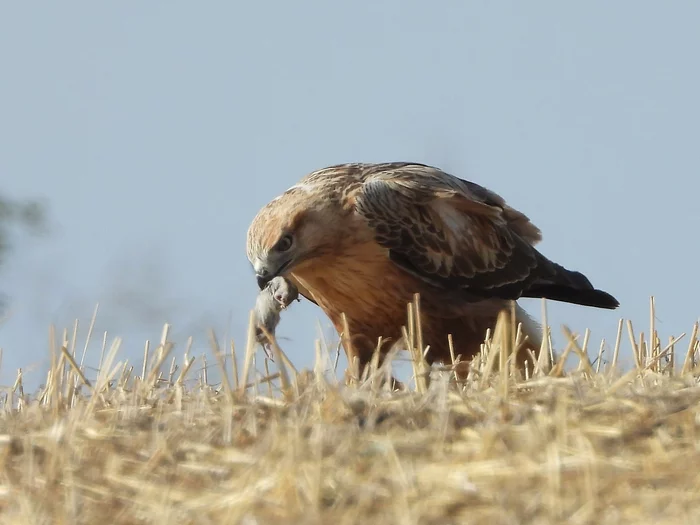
(394, 383)
(360, 350)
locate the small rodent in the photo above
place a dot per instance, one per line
(276, 296)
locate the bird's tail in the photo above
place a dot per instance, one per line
(570, 287)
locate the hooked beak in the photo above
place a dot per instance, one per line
(263, 280)
(263, 275)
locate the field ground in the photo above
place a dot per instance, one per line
(159, 444)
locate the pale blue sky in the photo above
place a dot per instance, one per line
(156, 130)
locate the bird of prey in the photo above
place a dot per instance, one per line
(361, 239)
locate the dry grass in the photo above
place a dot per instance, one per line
(158, 444)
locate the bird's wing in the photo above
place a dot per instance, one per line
(452, 234)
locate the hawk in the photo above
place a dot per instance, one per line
(361, 239)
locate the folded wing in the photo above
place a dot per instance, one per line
(458, 236)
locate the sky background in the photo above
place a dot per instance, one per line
(155, 131)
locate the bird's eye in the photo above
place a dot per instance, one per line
(284, 244)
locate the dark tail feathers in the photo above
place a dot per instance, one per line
(571, 287)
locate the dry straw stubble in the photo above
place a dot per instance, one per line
(592, 445)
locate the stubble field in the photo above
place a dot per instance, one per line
(160, 443)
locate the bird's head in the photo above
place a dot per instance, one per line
(289, 231)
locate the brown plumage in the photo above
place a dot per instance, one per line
(361, 239)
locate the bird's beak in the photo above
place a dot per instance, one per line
(263, 274)
(263, 279)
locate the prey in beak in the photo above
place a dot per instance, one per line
(276, 294)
